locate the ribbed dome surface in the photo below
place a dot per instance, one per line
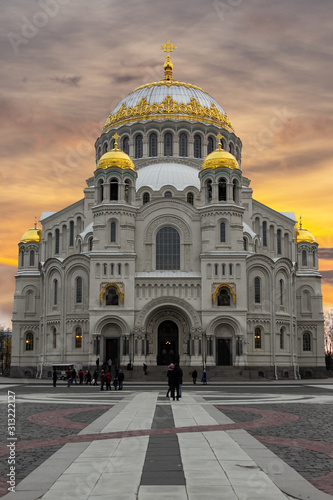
(163, 174)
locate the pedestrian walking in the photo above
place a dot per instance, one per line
(115, 383)
(97, 363)
(204, 378)
(144, 368)
(121, 378)
(102, 380)
(69, 377)
(80, 376)
(108, 381)
(87, 377)
(170, 368)
(194, 376)
(95, 377)
(74, 376)
(55, 378)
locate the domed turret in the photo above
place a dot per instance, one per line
(303, 235)
(115, 158)
(220, 158)
(32, 235)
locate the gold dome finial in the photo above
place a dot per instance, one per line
(115, 137)
(300, 222)
(168, 66)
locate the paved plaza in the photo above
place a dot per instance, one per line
(245, 441)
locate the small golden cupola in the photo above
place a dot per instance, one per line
(220, 158)
(32, 235)
(115, 158)
(303, 235)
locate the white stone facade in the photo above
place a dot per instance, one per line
(169, 268)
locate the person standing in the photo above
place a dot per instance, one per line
(174, 377)
(108, 381)
(121, 378)
(170, 368)
(194, 376)
(109, 363)
(55, 377)
(97, 364)
(95, 377)
(69, 378)
(74, 376)
(88, 377)
(81, 376)
(204, 377)
(102, 380)
(144, 368)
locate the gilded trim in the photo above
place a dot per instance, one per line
(224, 285)
(168, 109)
(121, 295)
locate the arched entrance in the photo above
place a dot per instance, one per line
(167, 343)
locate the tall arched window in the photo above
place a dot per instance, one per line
(210, 145)
(257, 338)
(114, 189)
(32, 257)
(71, 232)
(57, 241)
(182, 144)
(197, 146)
(168, 144)
(264, 233)
(29, 341)
(278, 236)
(209, 190)
(138, 153)
(313, 258)
(222, 232)
(90, 244)
(127, 189)
(257, 290)
(190, 198)
(167, 249)
(78, 338)
(113, 232)
(235, 190)
(222, 190)
(281, 292)
(245, 243)
(126, 145)
(281, 338)
(54, 338)
(78, 294)
(22, 258)
(145, 198)
(306, 341)
(105, 147)
(55, 292)
(304, 258)
(153, 144)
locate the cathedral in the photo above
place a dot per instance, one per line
(168, 257)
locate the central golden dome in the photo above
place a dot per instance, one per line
(304, 236)
(220, 158)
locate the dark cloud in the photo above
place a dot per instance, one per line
(325, 253)
(327, 276)
(72, 81)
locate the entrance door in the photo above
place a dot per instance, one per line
(112, 350)
(223, 350)
(167, 343)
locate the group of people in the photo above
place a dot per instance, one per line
(175, 380)
(104, 376)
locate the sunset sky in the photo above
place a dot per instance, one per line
(67, 63)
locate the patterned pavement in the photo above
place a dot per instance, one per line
(295, 425)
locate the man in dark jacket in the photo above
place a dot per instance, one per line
(174, 375)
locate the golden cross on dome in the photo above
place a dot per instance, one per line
(168, 46)
(300, 222)
(219, 136)
(115, 137)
